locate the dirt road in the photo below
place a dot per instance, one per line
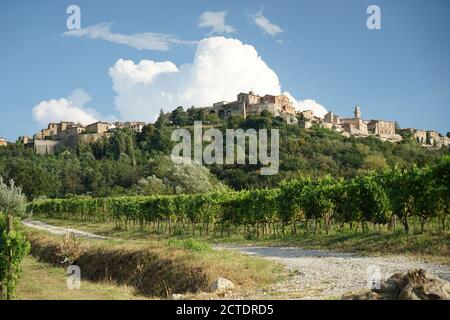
(60, 230)
(320, 274)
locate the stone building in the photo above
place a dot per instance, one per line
(117, 125)
(225, 109)
(249, 98)
(445, 141)
(63, 126)
(356, 125)
(44, 147)
(307, 119)
(68, 133)
(135, 126)
(330, 117)
(74, 130)
(3, 142)
(428, 138)
(282, 103)
(24, 139)
(433, 138)
(305, 124)
(41, 135)
(289, 118)
(419, 135)
(332, 121)
(381, 127)
(257, 109)
(307, 115)
(97, 127)
(53, 130)
(253, 104)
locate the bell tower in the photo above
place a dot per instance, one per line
(357, 112)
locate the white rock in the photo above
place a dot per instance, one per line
(221, 284)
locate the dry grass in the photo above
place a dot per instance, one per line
(158, 268)
(41, 281)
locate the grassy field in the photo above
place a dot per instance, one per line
(41, 281)
(429, 245)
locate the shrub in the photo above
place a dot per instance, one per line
(13, 245)
(13, 248)
(12, 201)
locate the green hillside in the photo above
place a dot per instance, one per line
(138, 163)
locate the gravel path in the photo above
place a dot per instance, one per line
(60, 230)
(320, 274)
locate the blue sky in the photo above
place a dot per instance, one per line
(324, 52)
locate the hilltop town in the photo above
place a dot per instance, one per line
(246, 105)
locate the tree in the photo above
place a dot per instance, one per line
(184, 178)
(257, 122)
(179, 117)
(70, 176)
(374, 162)
(193, 179)
(278, 122)
(212, 118)
(266, 114)
(37, 176)
(162, 141)
(195, 114)
(12, 201)
(152, 185)
(163, 120)
(234, 121)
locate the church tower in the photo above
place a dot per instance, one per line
(357, 112)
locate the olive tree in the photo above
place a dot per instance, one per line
(12, 201)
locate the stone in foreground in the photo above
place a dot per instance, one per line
(221, 284)
(415, 285)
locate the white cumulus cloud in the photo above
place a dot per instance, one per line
(141, 41)
(265, 25)
(308, 104)
(221, 69)
(216, 21)
(126, 74)
(65, 109)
